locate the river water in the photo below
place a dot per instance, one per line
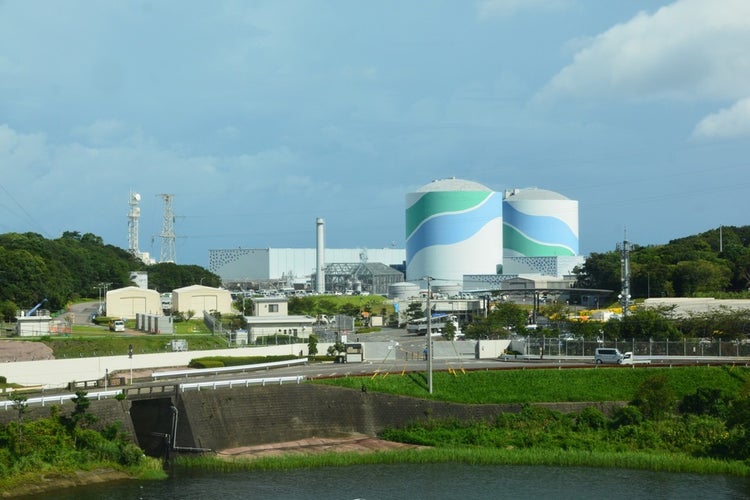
(430, 481)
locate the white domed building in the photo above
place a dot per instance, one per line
(540, 232)
(454, 227)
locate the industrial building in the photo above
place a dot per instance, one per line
(291, 266)
(539, 223)
(453, 227)
(199, 298)
(372, 277)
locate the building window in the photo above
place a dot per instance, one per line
(273, 308)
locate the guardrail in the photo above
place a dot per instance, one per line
(241, 383)
(60, 398)
(228, 369)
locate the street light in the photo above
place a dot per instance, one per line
(429, 335)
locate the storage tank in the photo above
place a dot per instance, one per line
(403, 290)
(453, 227)
(539, 223)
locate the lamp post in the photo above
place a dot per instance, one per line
(130, 355)
(429, 336)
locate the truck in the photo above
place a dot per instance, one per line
(629, 359)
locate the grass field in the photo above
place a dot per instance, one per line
(531, 386)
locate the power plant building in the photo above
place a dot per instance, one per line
(453, 227)
(540, 233)
(539, 223)
(291, 264)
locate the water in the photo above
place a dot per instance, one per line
(431, 481)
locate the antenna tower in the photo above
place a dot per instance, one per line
(133, 215)
(167, 231)
(625, 276)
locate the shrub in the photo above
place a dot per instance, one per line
(705, 401)
(655, 398)
(591, 418)
(626, 415)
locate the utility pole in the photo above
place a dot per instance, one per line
(429, 336)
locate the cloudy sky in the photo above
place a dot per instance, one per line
(260, 116)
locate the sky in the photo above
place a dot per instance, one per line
(258, 117)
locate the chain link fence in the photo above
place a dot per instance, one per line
(693, 348)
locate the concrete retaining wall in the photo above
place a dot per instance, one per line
(229, 418)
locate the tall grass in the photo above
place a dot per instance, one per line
(477, 456)
(545, 385)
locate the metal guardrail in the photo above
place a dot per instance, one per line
(61, 398)
(228, 369)
(241, 383)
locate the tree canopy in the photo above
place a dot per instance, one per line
(712, 263)
(36, 270)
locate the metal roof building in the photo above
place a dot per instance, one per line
(372, 277)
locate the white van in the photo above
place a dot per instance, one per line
(117, 325)
(607, 355)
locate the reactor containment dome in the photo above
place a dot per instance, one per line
(453, 227)
(539, 223)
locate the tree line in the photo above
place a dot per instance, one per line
(716, 263)
(54, 272)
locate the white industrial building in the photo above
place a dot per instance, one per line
(128, 301)
(290, 265)
(270, 317)
(199, 298)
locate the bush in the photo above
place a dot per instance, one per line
(655, 398)
(591, 418)
(626, 415)
(705, 401)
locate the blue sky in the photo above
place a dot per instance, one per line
(260, 116)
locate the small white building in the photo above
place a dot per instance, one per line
(270, 318)
(199, 298)
(128, 301)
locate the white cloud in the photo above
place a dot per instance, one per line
(728, 123)
(691, 49)
(488, 9)
(101, 131)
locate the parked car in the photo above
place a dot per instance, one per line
(117, 325)
(607, 355)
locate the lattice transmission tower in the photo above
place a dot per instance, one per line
(133, 216)
(167, 231)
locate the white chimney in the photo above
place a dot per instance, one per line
(320, 279)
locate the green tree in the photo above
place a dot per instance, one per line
(21, 406)
(700, 276)
(312, 345)
(449, 331)
(655, 398)
(414, 311)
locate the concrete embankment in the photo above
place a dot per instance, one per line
(247, 416)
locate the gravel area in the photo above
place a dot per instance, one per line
(21, 350)
(358, 443)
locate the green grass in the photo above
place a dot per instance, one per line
(541, 385)
(477, 456)
(110, 344)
